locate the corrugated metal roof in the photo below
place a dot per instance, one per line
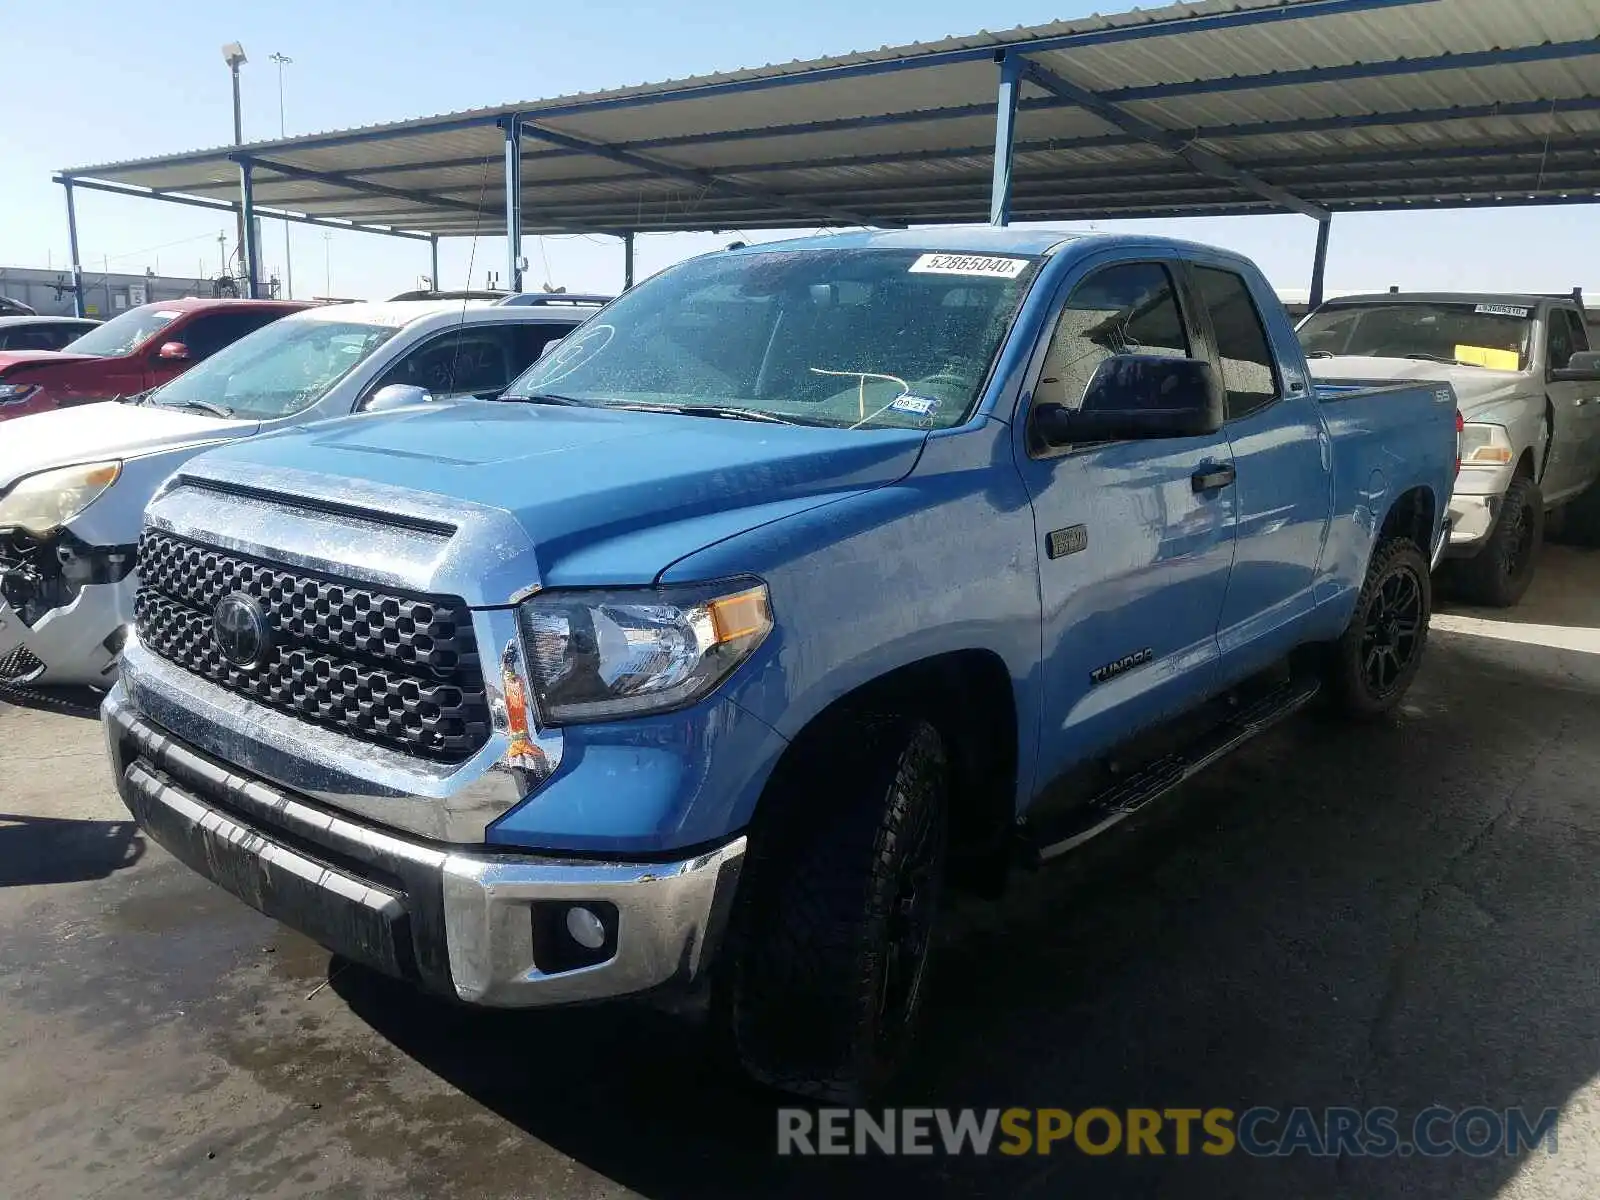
(1344, 104)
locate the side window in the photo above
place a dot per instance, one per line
(1249, 374)
(1131, 308)
(206, 335)
(1567, 337)
(457, 363)
(528, 341)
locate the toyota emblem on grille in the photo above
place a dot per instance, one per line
(240, 629)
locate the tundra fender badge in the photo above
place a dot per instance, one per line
(1122, 666)
(1071, 540)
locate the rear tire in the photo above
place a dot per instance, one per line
(822, 980)
(1371, 666)
(1499, 574)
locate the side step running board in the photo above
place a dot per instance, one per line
(1126, 797)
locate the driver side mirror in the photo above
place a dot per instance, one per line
(397, 395)
(173, 352)
(1582, 367)
(1138, 396)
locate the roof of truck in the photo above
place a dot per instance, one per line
(976, 239)
(405, 312)
(1527, 299)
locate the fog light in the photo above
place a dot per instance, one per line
(585, 928)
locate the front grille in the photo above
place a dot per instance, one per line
(395, 669)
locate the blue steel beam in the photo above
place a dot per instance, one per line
(512, 128)
(341, 180)
(277, 214)
(1319, 261)
(704, 179)
(1203, 161)
(1532, 108)
(1005, 129)
(247, 211)
(1548, 52)
(1295, 171)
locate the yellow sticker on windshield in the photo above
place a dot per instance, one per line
(1485, 356)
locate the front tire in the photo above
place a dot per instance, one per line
(822, 981)
(1373, 664)
(1499, 574)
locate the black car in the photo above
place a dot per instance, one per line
(42, 333)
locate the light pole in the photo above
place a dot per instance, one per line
(288, 266)
(233, 55)
(327, 262)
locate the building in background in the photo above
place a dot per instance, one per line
(105, 294)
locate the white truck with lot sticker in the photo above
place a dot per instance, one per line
(1529, 389)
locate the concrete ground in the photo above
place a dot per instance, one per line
(1399, 915)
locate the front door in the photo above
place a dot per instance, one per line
(1134, 550)
(1572, 461)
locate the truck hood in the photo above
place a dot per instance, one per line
(92, 432)
(52, 358)
(603, 496)
(1478, 389)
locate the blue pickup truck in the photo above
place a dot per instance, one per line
(797, 585)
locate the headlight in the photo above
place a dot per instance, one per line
(11, 393)
(595, 655)
(1485, 445)
(42, 502)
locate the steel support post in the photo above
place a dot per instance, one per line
(1005, 130)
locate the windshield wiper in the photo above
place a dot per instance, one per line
(205, 406)
(712, 410)
(1439, 358)
(544, 398)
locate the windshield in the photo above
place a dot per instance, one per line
(845, 338)
(126, 333)
(276, 371)
(1480, 335)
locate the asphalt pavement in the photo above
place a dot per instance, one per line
(1397, 916)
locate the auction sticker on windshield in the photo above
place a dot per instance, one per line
(1501, 310)
(969, 264)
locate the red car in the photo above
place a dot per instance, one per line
(141, 349)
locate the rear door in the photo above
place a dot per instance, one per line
(1283, 463)
(1134, 560)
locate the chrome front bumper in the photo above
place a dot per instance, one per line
(478, 925)
(1472, 520)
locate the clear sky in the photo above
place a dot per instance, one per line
(95, 81)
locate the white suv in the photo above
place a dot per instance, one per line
(74, 482)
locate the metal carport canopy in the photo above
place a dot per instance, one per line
(1217, 107)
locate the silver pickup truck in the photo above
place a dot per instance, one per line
(1529, 389)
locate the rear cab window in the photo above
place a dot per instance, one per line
(1249, 368)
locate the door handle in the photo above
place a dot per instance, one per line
(1210, 478)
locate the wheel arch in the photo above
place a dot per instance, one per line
(1413, 516)
(969, 697)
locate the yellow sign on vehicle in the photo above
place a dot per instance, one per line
(1485, 356)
